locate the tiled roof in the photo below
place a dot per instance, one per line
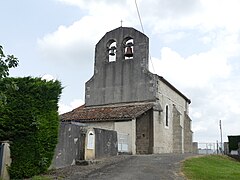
(106, 113)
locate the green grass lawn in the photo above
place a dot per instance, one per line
(213, 167)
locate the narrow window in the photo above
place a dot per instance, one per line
(90, 143)
(167, 116)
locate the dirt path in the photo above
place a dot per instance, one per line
(150, 167)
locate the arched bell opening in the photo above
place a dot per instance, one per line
(128, 48)
(111, 48)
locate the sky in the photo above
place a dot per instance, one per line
(194, 44)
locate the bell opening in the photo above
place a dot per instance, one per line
(129, 49)
(112, 52)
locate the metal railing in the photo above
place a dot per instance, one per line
(209, 148)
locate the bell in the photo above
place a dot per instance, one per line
(129, 52)
(112, 51)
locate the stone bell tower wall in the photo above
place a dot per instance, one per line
(122, 80)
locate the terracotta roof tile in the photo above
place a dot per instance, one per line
(106, 113)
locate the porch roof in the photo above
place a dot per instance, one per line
(116, 112)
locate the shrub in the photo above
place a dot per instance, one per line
(29, 120)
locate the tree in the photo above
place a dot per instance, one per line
(30, 121)
(6, 63)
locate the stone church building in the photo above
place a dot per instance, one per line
(149, 114)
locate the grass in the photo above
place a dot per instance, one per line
(40, 178)
(211, 167)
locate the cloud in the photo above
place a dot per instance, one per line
(89, 4)
(70, 44)
(170, 37)
(75, 43)
(48, 77)
(203, 15)
(196, 70)
(63, 108)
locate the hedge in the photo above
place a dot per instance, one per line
(30, 121)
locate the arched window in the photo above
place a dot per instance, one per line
(128, 48)
(112, 50)
(166, 116)
(91, 141)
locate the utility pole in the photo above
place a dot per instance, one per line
(220, 125)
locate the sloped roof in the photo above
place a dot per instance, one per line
(173, 88)
(106, 113)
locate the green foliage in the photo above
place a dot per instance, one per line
(211, 167)
(30, 120)
(6, 62)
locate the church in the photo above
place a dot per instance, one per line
(148, 113)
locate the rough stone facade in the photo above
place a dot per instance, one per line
(187, 134)
(70, 146)
(105, 143)
(100, 143)
(144, 134)
(73, 144)
(123, 80)
(177, 131)
(162, 127)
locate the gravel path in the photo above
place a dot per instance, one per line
(83, 171)
(126, 167)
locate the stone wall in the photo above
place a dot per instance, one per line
(122, 127)
(187, 134)
(101, 125)
(128, 129)
(124, 80)
(70, 145)
(177, 132)
(144, 133)
(106, 144)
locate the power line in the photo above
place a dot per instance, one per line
(151, 62)
(139, 17)
(140, 20)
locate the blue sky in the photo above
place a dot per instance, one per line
(194, 44)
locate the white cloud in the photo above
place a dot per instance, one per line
(48, 77)
(63, 108)
(194, 71)
(70, 43)
(169, 38)
(88, 4)
(204, 15)
(75, 43)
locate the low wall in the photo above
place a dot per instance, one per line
(106, 143)
(70, 145)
